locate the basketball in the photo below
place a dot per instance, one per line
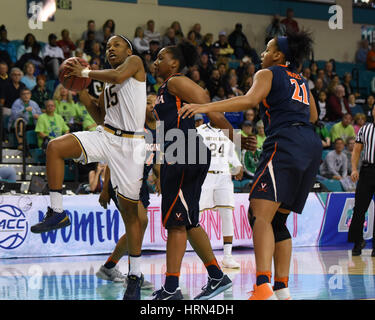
(73, 83)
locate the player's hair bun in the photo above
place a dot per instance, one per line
(300, 46)
(185, 53)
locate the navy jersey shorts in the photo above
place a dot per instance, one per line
(288, 166)
(181, 187)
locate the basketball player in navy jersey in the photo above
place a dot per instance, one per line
(290, 159)
(181, 182)
(118, 141)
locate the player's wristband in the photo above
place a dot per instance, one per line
(85, 73)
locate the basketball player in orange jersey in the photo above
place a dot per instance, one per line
(118, 141)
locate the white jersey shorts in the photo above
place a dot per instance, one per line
(124, 156)
(217, 191)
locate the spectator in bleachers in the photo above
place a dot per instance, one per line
(107, 33)
(350, 142)
(96, 87)
(275, 28)
(205, 67)
(67, 108)
(11, 90)
(250, 160)
(337, 104)
(4, 77)
(207, 43)
(80, 51)
(328, 73)
(370, 61)
(335, 81)
(169, 39)
(361, 54)
(97, 53)
(324, 135)
(178, 30)
(150, 33)
(35, 57)
(225, 49)
(261, 136)
(343, 129)
(313, 71)
(199, 120)
(24, 115)
(346, 82)
(66, 44)
(307, 75)
(26, 46)
(40, 94)
(214, 82)
(53, 56)
(140, 42)
(154, 49)
(359, 122)
(191, 38)
(220, 94)
(321, 106)
(335, 164)
(3, 35)
(250, 115)
(4, 56)
(50, 125)
(289, 22)
(91, 27)
(238, 41)
(104, 33)
(29, 80)
(368, 106)
(233, 88)
(246, 83)
(354, 107)
(197, 30)
(246, 128)
(318, 87)
(89, 42)
(87, 122)
(196, 77)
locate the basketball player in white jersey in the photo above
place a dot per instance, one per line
(118, 141)
(217, 190)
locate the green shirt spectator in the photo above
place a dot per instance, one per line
(88, 123)
(249, 160)
(343, 129)
(261, 136)
(324, 134)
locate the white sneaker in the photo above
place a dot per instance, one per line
(283, 294)
(112, 274)
(229, 262)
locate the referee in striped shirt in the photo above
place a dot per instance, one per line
(366, 184)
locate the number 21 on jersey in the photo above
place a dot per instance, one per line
(297, 92)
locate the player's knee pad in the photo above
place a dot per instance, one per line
(251, 217)
(226, 215)
(279, 227)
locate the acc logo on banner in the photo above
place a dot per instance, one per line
(13, 227)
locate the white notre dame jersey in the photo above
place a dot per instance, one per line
(222, 149)
(125, 105)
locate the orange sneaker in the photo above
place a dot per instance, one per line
(263, 292)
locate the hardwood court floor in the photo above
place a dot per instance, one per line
(315, 274)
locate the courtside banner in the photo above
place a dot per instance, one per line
(95, 230)
(337, 219)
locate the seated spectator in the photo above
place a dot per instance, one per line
(199, 120)
(350, 142)
(214, 83)
(29, 79)
(34, 57)
(204, 67)
(328, 73)
(361, 53)
(368, 106)
(96, 52)
(40, 94)
(275, 29)
(250, 115)
(154, 49)
(150, 33)
(337, 104)
(4, 77)
(8, 174)
(313, 71)
(346, 82)
(321, 106)
(88, 123)
(318, 87)
(359, 122)
(169, 38)
(66, 44)
(246, 128)
(50, 125)
(26, 46)
(207, 43)
(343, 129)
(225, 49)
(53, 56)
(306, 73)
(261, 136)
(96, 87)
(178, 30)
(11, 90)
(24, 116)
(320, 74)
(290, 24)
(335, 164)
(106, 32)
(91, 28)
(370, 61)
(323, 134)
(220, 94)
(96, 178)
(89, 42)
(246, 84)
(67, 108)
(196, 77)
(191, 38)
(197, 30)
(80, 51)
(233, 88)
(238, 41)
(250, 160)
(333, 84)
(354, 107)
(3, 35)
(140, 42)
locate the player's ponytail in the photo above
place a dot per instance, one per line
(185, 53)
(298, 48)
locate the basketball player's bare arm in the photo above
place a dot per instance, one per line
(93, 106)
(132, 67)
(313, 110)
(104, 198)
(259, 91)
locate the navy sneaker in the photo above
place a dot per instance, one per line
(133, 288)
(214, 287)
(163, 294)
(51, 221)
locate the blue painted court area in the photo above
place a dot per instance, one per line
(315, 275)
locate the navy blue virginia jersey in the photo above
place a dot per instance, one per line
(287, 103)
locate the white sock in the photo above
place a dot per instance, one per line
(135, 266)
(227, 249)
(56, 201)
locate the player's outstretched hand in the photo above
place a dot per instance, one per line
(75, 68)
(189, 110)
